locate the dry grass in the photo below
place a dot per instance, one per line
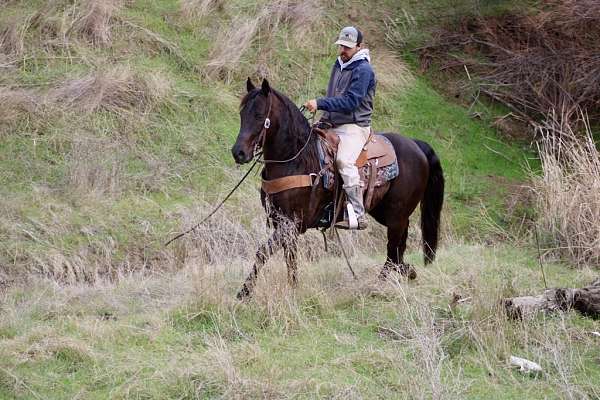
(95, 175)
(301, 16)
(234, 41)
(230, 46)
(568, 203)
(392, 74)
(12, 37)
(57, 24)
(196, 9)
(391, 338)
(95, 19)
(75, 245)
(399, 29)
(235, 233)
(118, 89)
(17, 103)
(155, 43)
(96, 166)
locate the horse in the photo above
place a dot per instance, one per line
(271, 122)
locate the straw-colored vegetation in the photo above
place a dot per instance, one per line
(95, 19)
(183, 335)
(568, 192)
(117, 90)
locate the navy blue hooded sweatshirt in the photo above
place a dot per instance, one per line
(350, 92)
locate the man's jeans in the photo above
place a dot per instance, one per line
(352, 140)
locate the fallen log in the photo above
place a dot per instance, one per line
(586, 300)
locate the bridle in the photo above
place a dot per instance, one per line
(262, 137)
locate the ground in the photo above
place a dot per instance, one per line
(183, 335)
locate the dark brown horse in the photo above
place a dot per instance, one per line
(271, 121)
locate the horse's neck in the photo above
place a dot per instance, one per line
(285, 145)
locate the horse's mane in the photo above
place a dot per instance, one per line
(297, 125)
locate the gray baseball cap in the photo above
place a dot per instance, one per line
(349, 37)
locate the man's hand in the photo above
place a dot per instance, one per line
(311, 105)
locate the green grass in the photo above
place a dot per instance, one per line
(479, 165)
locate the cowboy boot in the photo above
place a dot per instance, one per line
(354, 194)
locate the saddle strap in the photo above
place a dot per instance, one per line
(285, 183)
(370, 185)
(363, 157)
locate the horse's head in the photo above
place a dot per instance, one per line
(254, 121)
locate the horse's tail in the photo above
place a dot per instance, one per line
(431, 205)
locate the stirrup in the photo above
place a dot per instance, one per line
(362, 224)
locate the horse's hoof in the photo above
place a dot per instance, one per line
(383, 275)
(243, 294)
(409, 272)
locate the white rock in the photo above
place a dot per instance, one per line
(525, 366)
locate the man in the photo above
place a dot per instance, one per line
(348, 106)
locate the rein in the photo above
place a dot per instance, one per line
(261, 140)
(216, 208)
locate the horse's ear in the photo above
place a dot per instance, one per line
(249, 85)
(265, 87)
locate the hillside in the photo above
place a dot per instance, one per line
(116, 124)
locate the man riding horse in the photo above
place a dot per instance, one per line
(347, 108)
(297, 189)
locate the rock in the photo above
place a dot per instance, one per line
(525, 366)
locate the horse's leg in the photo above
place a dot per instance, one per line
(262, 255)
(290, 248)
(397, 236)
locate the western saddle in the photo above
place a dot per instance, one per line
(376, 164)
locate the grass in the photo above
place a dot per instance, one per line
(93, 305)
(476, 160)
(183, 335)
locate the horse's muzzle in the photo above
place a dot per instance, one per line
(239, 155)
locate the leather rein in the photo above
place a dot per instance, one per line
(271, 186)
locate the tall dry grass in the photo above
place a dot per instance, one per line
(95, 19)
(568, 192)
(301, 16)
(397, 339)
(393, 75)
(233, 41)
(96, 166)
(12, 37)
(117, 89)
(235, 233)
(56, 25)
(230, 46)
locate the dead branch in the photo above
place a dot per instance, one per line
(585, 300)
(532, 64)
